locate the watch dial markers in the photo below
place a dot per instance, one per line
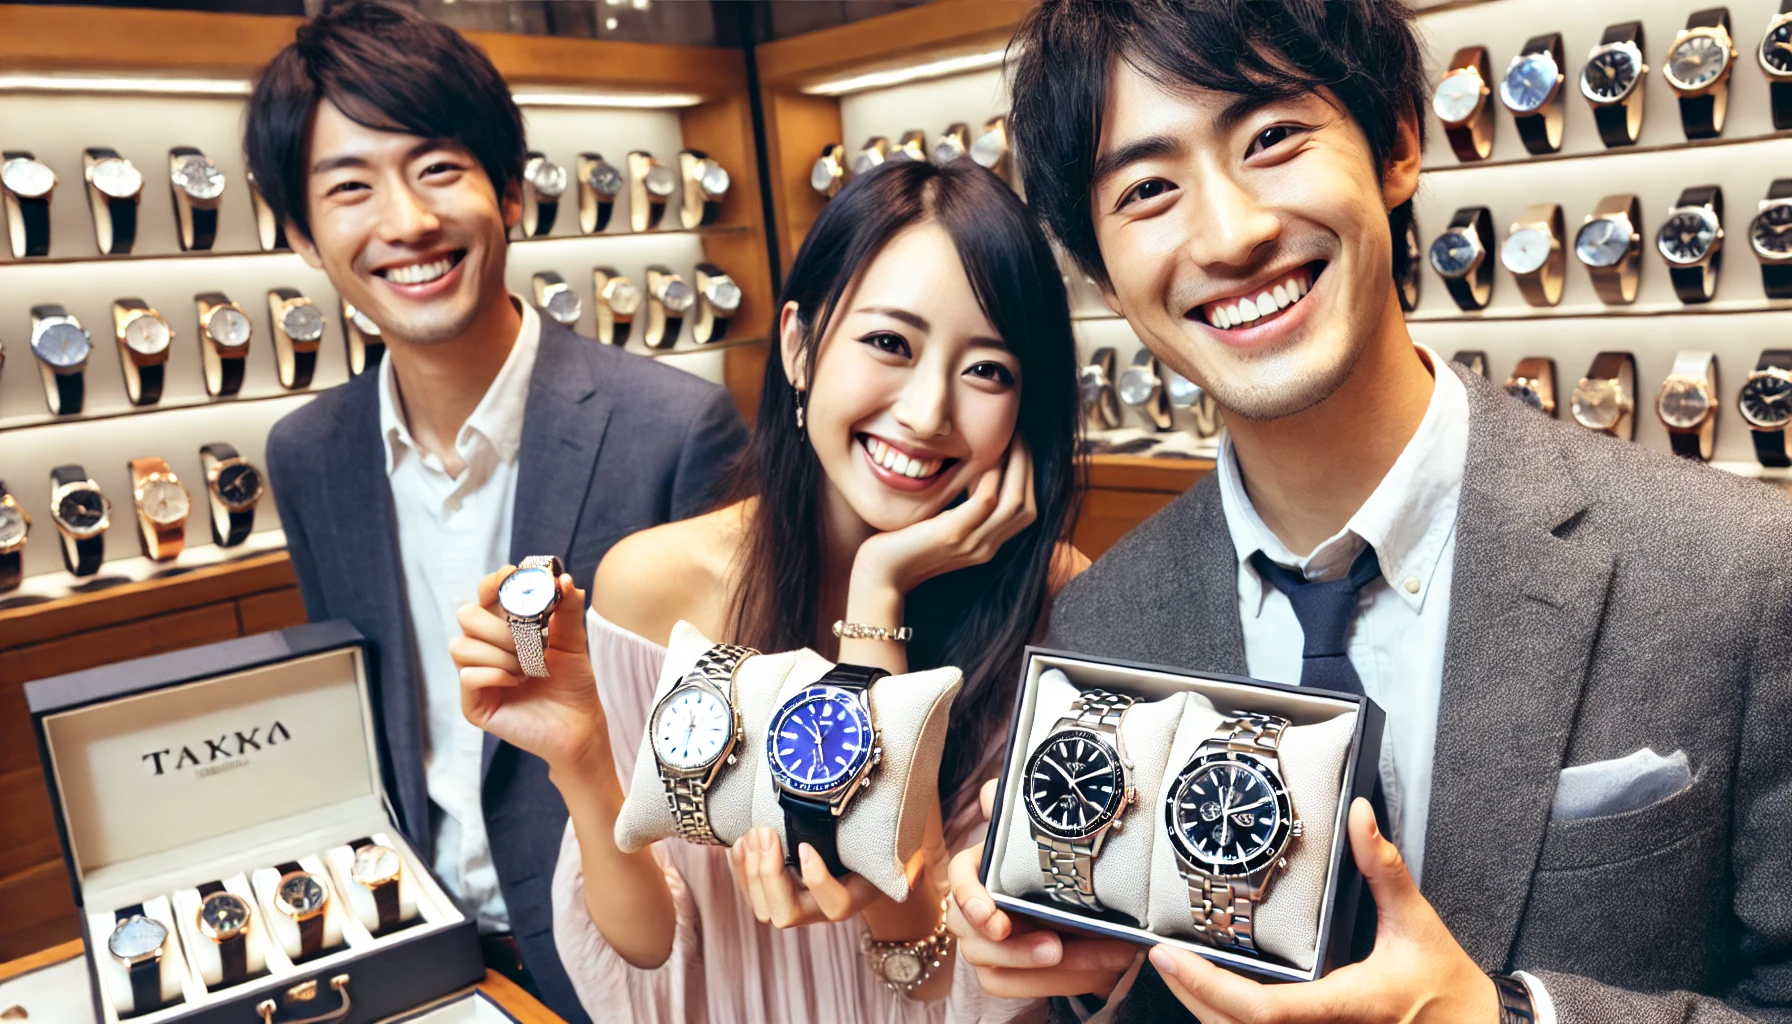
(1457, 97)
(1686, 236)
(1228, 814)
(1529, 82)
(1073, 783)
(1697, 61)
(817, 742)
(1609, 76)
(692, 727)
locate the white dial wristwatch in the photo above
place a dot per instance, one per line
(197, 187)
(544, 183)
(528, 597)
(28, 184)
(695, 730)
(705, 185)
(669, 298)
(618, 300)
(599, 185)
(718, 299)
(556, 298)
(114, 191)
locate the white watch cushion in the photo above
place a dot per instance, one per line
(115, 974)
(356, 898)
(283, 929)
(202, 952)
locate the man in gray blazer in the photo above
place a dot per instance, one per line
(392, 152)
(1579, 643)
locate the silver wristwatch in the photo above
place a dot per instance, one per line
(528, 597)
(695, 730)
(1230, 822)
(906, 966)
(1078, 784)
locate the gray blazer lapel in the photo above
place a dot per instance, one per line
(1201, 575)
(1525, 609)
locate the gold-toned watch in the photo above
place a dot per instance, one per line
(114, 192)
(1687, 405)
(162, 507)
(378, 868)
(144, 340)
(1612, 81)
(15, 527)
(224, 919)
(705, 185)
(82, 513)
(718, 299)
(1698, 68)
(912, 146)
(366, 343)
(669, 298)
(556, 298)
(1463, 103)
(298, 333)
(618, 300)
(198, 189)
(650, 188)
(224, 331)
(1533, 253)
(953, 143)
(829, 172)
(872, 154)
(1533, 382)
(27, 184)
(599, 185)
(1610, 243)
(233, 487)
(990, 148)
(544, 183)
(269, 231)
(1605, 399)
(303, 897)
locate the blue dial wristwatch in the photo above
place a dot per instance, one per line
(822, 746)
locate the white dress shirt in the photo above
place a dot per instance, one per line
(452, 531)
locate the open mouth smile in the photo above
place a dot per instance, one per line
(1262, 304)
(902, 467)
(413, 275)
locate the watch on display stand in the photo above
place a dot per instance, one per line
(871, 155)
(1142, 388)
(1775, 56)
(1095, 382)
(298, 333)
(1081, 785)
(270, 232)
(224, 919)
(1698, 68)
(1691, 239)
(1765, 402)
(366, 342)
(650, 188)
(718, 299)
(618, 300)
(1770, 236)
(556, 298)
(225, 332)
(303, 897)
(1687, 405)
(544, 182)
(1186, 394)
(15, 527)
(828, 174)
(233, 487)
(669, 298)
(1533, 382)
(82, 512)
(599, 185)
(1533, 253)
(706, 183)
(378, 869)
(61, 346)
(137, 942)
(1605, 399)
(1610, 244)
(911, 146)
(953, 143)
(28, 184)
(1474, 359)
(1532, 90)
(990, 149)
(823, 747)
(1612, 82)
(1463, 103)
(197, 187)
(695, 730)
(114, 192)
(1460, 257)
(144, 341)
(163, 504)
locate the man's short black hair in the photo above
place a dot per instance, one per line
(391, 69)
(1364, 51)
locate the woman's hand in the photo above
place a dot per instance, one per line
(781, 900)
(558, 717)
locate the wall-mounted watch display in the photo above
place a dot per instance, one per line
(1692, 242)
(28, 184)
(1186, 394)
(1698, 69)
(81, 512)
(15, 527)
(1775, 56)
(1463, 103)
(705, 184)
(1765, 402)
(1460, 257)
(1142, 388)
(233, 486)
(224, 334)
(1605, 399)
(144, 341)
(114, 192)
(990, 148)
(829, 172)
(61, 346)
(1531, 89)
(1533, 253)
(669, 298)
(366, 343)
(718, 299)
(270, 233)
(544, 183)
(650, 188)
(618, 300)
(198, 190)
(1095, 384)
(1533, 382)
(298, 328)
(163, 504)
(872, 154)
(556, 298)
(1770, 236)
(952, 143)
(912, 146)
(1611, 80)
(1610, 244)
(1406, 278)
(599, 185)
(1687, 405)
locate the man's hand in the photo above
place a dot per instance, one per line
(1032, 961)
(1417, 973)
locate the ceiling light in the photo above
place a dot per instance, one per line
(104, 84)
(569, 98)
(902, 76)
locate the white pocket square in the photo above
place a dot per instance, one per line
(1627, 783)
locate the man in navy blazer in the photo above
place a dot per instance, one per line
(390, 149)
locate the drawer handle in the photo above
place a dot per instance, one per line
(305, 993)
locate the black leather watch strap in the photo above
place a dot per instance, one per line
(233, 953)
(34, 214)
(1776, 278)
(1541, 130)
(1770, 445)
(71, 393)
(1617, 125)
(1780, 90)
(80, 557)
(1698, 284)
(385, 897)
(813, 821)
(1476, 290)
(1516, 1006)
(1701, 116)
(228, 528)
(122, 213)
(311, 929)
(146, 974)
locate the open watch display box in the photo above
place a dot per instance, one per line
(229, 842)
(1153, 804)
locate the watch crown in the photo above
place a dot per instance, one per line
(1297, 828)
(732, 759)
(1119, 824)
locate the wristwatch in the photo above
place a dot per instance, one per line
(599, 185)
(705, 184)
(1775, 54)
(990, 148)
(556, 298)
(953, 143)
(617, 302)
(224, 918)
(1517, 1006)
(28, 184)
(1474, 359)
(1765, 402)
(822, 745)
(81, 513)
(303, 897)
(1459, 256)
(1692, 241)
(1078, 786)
(1231, 822)
(136, 941)
(298, 333)
(1605, 399)
(694, 730)
(1770, 235)
(912, 146)
(1461, 103)
(366, 343)
(377, 869)
(1101, 407)
(1533, 382)
(872, 154)
(62, 346)
(1186, 394)
(162, 507)
(829, 172)
(15, 526)
(1532, 89)
(269, 230)
(718, 299)
(198, 188)
(1406, 277)
(528, 597)
(906, 966)
(224, 343)
(1698, 70)
(114, 190)
(1610, 243)
(143, 343)
(233, 486)
(546, 181)
(1611, 80)
(668, 300)
(1142, 388)
(650, 187)
(1687, 405)
(1533, 253)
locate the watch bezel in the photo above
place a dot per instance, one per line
(557, 180)
(676, 304)
(1280, 836)
(50, 323)
(1706, 213)
(6, 177)
(1626, 403)
(1640, 70)
(1770, 373)
(224, 935)
(557, 295)
(182, 179)
(62, 492)
(553, 600)
(293, 306)
(694, 681)
(136, 958)
(659, 180)
(1726, 43)
(93, 175)
(1484, 94)
(1622, 219)
(1773, 25)
(285, 906)
(161, 477)
(1474, 239)
(13, 512)
(613, 287)
(374, 882)
(214, 483)
(1152, 383)
(1549, 237)
(137, 317)
(1754, 222)
(848, 776)
(1513, 65)
(1110, 811)
(211, 317)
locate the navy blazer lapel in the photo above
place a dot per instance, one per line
(1525, 609)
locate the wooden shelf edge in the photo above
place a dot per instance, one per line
(938, 29)
(29, 624)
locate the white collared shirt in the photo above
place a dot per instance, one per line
(452, 531)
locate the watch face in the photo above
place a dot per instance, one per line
(714, 179)
(148, 335)
(822, 175)
(1597, 404)
(527, 593)
(136, 936)
(82, 510)
(865, 160)
(1137, 385)
(820, 739)
(1526, 393)
(228, 327)
(660, 181)
(1074, 784)
(223, 915)
(947, 149)
(692, 727)
(199, 178)
(364, 322)
(1229, 813)
(13, 526)
(1457, 97)
(548, 179)
(902, 967)
(1697, 61)
(677, 296)
(1771, 233)
(27, 178)
(1525, 251)
(564, 306)
(62, 344)
(622, 295)
(301, 894)
(1529, 82)
(1604, 241)
(989, 148)
(164, 501)
(724, 295)
(1609, 75)
(116, 177)
(1454, 254)
(605, 180)
(1686, 236)
(239, 484)
(303, 322)
(1184, 393)
(375, 865)
(1776, 49)
(1766, 402)
(1683, 403)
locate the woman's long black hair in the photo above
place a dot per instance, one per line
(978, 618)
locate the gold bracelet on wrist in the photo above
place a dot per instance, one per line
(859, 631)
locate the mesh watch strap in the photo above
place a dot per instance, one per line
(688, 795)
(531, 635)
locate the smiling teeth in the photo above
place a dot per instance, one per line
(1229, 313)
(889, 458)
(419, 273)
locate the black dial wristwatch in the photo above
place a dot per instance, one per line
(1095, 383)
(1612, 81)
(599, 185)
(556, 298)
(1692, 242)
(1533, 382)
(366, 343)
(15, 526)
(1078, 785)
(618, 300)
(1698, 69)
(163, 504)
(1462, 101)
(823, 746)
(1766, 404)
(144, 339)
(668, 300)
(28, 184)
(114, 191)
(1687, 405)
(705, 185)
(1605, 399)
(303, 897)
(545, 183)
(81, 513)
(198, 188)
(223, 344)
(298, 333)
(137, 941)
(61, 346)
(377, 868)
(1532, 90)
(1775, 55)
(1460, 257)
(1610, 243)
(650, 188)
(233, 486)
(1141, 387)
(224, 919)
(1770, 236)
(718, 299)
(269, 231)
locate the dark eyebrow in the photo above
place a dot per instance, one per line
(336, 163)
(1148, 148)
(919, 323)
